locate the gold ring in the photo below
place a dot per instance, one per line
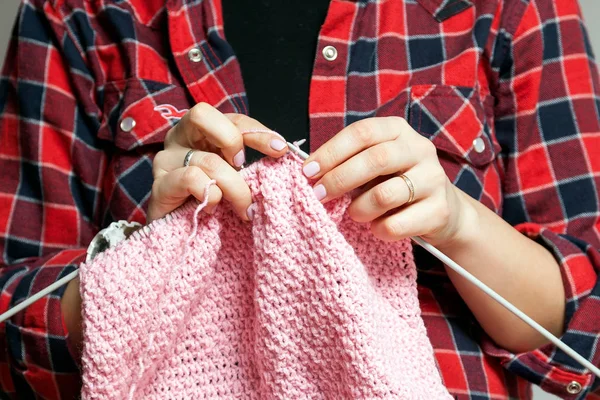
(188, 158)
(411, 188)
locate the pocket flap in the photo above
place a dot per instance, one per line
(454, 119)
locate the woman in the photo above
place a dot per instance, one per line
(471, 124)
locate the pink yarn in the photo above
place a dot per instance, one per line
(302, 302)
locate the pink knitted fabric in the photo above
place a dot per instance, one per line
(302, 302)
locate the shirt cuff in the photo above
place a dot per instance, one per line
(110, 236)
(36, 340)
(549, 367)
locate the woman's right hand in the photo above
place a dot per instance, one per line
(219, 144)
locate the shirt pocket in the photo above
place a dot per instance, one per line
(140, 112)
(456, 120)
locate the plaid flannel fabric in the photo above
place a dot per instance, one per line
(506, 89)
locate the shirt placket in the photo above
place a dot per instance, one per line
(327, 94)
(199, 62)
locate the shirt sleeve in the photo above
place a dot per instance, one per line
(548, 125)
(51, 168)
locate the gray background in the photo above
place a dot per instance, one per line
(591, 13)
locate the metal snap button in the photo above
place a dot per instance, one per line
(330, 53)
(127, 124)
(195, 55)
(574, 387)
(479, 145)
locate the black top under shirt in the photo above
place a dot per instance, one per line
(275, 42)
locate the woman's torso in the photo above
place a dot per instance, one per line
(386, 58)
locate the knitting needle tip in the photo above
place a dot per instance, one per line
(298, 150)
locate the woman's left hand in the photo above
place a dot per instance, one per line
(376, 152)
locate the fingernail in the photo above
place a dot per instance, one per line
(278, 145)
(250, 211)
(311, 169)
(320, 192)
(239, 159)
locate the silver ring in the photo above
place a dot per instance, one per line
(188, 158)
(411, 189)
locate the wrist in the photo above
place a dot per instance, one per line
(71, 312)
(465, 227)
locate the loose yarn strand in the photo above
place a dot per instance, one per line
(141, 370)
(186, 246)
(259, 130)
(200, 207)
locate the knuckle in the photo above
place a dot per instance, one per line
(400, 146)
(329, 155)
(393, 228)
(203, 106)
(399, 122)
(230, 141)
(336, 181)
(238, 119)
(190, 175)
(439, 176)
(171, 135)
(379, 158)
(211, 162)
(159, 161)
(198, 111)
(403, 122)
(362, 132)
(195, 113)
(383, 196)
(428, 146)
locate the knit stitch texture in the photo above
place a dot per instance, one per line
(302, 302)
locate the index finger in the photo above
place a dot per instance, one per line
(205, 128)
(350, 141)
(258, 136)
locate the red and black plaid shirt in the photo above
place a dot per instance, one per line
(506, 89)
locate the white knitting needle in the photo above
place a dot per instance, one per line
(32, 299)
(487, 290)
